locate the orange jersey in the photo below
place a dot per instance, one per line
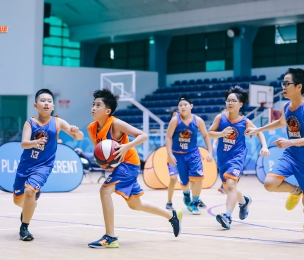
(106, 133)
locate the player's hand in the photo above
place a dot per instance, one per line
(228, 130)
(282, 143)
(121, 151)
(251, 131)
(264, 152)
(73, 129)
(209, 157)
(172, 159)
(40, 141)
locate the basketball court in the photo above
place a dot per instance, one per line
(64, 223)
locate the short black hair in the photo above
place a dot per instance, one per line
(184, 97)
(42, 91)
(108, 98)
(297, 77)
(240, 93)
(173, 110)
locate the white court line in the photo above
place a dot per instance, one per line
(153, 216)
(72, 225)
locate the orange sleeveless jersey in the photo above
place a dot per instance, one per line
(131, 155)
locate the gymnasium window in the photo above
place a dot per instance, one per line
(286, 34)
(216, 65)
(58, 50)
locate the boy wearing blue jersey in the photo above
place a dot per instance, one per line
(230, 128)
(183, 152)
(291, 162)
(39, 141)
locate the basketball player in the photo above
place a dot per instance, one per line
(230, 128)
(39, 141)
(291, 162)
(123, 179)
(173, 172)
(183, 152)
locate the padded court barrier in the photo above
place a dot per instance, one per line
(156, 174)
(263, 165)
(67, 173)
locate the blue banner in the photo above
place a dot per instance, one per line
(67, 173)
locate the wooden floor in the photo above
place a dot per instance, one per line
(64, 223)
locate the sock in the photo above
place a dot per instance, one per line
(195, 198)
(243, 201)
(228, 212)
(24, 225)
(187, 193)
(297, 190)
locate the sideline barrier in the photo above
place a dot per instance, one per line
(263, 165)
(156, 174)
(67, 173)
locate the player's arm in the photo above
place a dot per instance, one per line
(170, 131)
(273, 125)
(202, 127)
(264, 151)
(119, 128)
(71, 130)
(213, 130)
(26, 142)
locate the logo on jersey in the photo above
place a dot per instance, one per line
(39, 134)
(185, 136)
(294, 127)
(231, 138)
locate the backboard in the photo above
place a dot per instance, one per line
(261, 96)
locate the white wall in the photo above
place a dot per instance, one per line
(78, 85)
(21, 47)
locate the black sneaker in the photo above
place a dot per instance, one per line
(176, 221)
(224, 220)
(25, 235)
(169, 206)
(201, 204)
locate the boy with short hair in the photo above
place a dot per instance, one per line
(39, 141)
(123, 179)
(291, 162)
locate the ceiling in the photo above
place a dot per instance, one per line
(83, 12)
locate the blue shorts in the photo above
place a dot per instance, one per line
(34, 181)
(190, 166)
(230, 171)
(285, 167)
(172, 170)
(124, 177)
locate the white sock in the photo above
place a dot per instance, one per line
(297, 190)
(228, 212)
(243, 201)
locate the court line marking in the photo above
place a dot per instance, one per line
(239, 239)
(5, 229)
(209, 210)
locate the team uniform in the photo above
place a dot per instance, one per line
(291, 162)
(36, 164)
(186, 152)
(231, 150)
(124, 176)
(172, 170)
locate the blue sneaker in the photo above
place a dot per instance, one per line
(105, 242)
(244, 209)
(25, 235)
(176, 221)
(187, 199)
(169, 206)
(193, 208)
(201, 204)
(224, 220)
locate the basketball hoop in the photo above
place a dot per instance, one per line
(262, 104)
(64, 103)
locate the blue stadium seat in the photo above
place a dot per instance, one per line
(214, 80)
(237, 79)
(220, 101)
(216, 109)
(184, 82)
(206, 94)
(204, 117)
(202, 102)
(191, 82)
(244, 85)
(199, 81)
(229, 79)
(262, 77)
(273, 84)
(176, 83)
(253, 78)
(281, 77)
(211, 102)
(199, 110)
(208, 109)
(196, 102)
(222, 79)
(206, 81)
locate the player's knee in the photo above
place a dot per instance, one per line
(173, 179)
(230, 186)
(29, 193)
(134, 206)
(270, 185)
(105, 191)
(18, 202)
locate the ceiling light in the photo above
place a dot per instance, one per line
(232, 32)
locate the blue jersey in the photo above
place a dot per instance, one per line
(232, 148)
(40, 159)
(295, 130)
(184, 139)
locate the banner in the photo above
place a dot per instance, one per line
(67, 173)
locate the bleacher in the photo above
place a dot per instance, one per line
(207, 96)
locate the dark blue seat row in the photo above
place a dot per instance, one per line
(220, 80)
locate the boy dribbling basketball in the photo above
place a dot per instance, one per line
(123, 179)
